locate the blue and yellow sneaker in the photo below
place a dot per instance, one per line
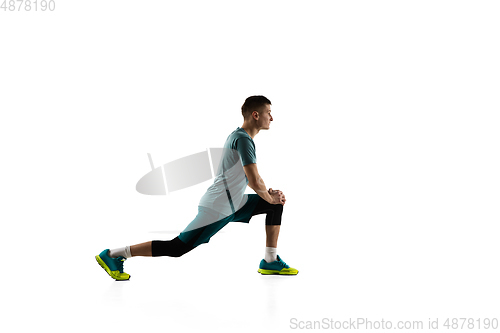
(113, 266)
(276, 267)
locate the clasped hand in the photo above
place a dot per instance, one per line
(278, 196)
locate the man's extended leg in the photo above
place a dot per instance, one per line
(112, 260)
(142, 250)
(171, 248)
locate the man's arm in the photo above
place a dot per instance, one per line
(256, 183)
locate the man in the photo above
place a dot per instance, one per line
(223, 202)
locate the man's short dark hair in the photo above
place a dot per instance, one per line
(253, 103)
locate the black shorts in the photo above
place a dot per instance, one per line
(188, 240)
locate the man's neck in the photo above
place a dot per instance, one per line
(251, 131)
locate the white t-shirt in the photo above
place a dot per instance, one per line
(239, 150)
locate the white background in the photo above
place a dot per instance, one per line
(385, 141)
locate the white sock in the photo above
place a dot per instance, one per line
(121, 252)
(270, 254)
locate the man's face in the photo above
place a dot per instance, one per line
(265, 117)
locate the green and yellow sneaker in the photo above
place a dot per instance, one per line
(276, 267)
(113, 266)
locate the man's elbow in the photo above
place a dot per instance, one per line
(252, 184)
(254, 181)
